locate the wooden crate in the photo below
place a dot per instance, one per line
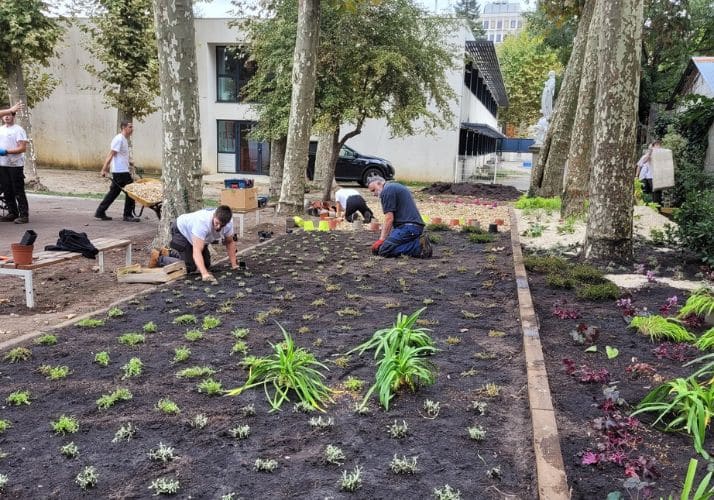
(137, 274)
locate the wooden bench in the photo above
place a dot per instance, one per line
(49, 257)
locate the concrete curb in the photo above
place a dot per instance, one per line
(42, 331)
(550, 470)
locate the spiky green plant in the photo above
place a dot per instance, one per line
(167, 406)
(210, 322)
(402, 333)
(181, 354)
(149, 327)
(210, 387)
(289, 368)
(700, 303)
(658, 327)
(706, 340)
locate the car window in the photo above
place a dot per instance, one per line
(346, 152)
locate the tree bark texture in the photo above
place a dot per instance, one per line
(16, 89)
(333, 150)
(323, 156)
(577, 175)
(181, 169)
(277, 159)
(555, 155)
(609, 230)
(302, 104)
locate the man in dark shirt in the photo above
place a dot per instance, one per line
(403, 229)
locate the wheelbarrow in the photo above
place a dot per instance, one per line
(135, 190)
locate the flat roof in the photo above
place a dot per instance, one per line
(483, 53)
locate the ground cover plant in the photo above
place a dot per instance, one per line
(121, 415)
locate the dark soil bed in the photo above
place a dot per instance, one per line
(582, 409)
(497, 192)
(470, 292)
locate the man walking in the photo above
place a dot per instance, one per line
(13, 143)
(118, 160)
(403, 228)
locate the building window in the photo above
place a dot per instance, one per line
(237, 152)
(490, 37)
(485, 25)
(233, 70)
(499, 24)
(514, 23)
(498, 37)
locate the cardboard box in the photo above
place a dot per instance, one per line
(240, 199)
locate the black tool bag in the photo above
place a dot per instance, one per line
(72, 241)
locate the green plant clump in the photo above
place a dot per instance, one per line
(70, 450)
(4, 425)
(437, 227)
(602, 291)
(54, 372)
(165, 486)
(132, 368)
(90, 323)
(87, 478)
(210, 387)
(65, 425)
(351, 481)
(185, 319)
(131, 338)
(149, 327)
(167, 406)
(706, 340)
(46, 340)
(544, 263)
(195, 372)
(700, 303)
(480, 238)
(181, 354)
(658, 328)
(447, 493)
(102, 358)
(210, 322)
(289, 368)
(17, 354)
(537, 202)
(18, 398)
(193, 335)
(109, 400)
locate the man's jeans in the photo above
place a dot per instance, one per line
(402, 240)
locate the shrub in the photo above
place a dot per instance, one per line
(696, 224)
(544, 263)
(602, 291)
(586, 274)
(559, 280)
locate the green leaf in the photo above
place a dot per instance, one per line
(612, 352)
(592, 348)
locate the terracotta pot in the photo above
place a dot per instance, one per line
(22, 254)
(498, 222)
(454, 222)
(324, 216)
(436, 220)
(473, 223)
(374, 226)
(332, 223)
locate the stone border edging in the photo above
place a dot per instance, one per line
(550, 470)
(42, 331)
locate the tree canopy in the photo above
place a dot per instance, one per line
(470, 10)
(27, 33)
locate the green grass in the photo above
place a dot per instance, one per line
(547, 204)
(700, 303)
(18, 398)
(660, 328)
(706, 340)
(602, 291)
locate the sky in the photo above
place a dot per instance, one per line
(222, 8)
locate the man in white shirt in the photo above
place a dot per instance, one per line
(644, 168)
(13, 144)
(349, 202)
(121, 166)
(193, 232)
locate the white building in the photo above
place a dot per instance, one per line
(500, 19)
(73, 128)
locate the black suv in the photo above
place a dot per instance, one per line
(353, 166)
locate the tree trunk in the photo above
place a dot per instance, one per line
(277, 160)
(609, 230)
(16, 89)
(555, 155)
(302, 104)
(181, 169)
(323, 157)
(332, 150)
(577, 177)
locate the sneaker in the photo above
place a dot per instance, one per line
(425, 245)
(22, 220)
(8, 218)
(154, 259)
(131, 219)
(102, 216)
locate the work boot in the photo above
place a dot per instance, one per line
(154, 258)
(8, 218)
(165, 252)
(425, 246)
(128, 218)
(22, 220)
(102, 216)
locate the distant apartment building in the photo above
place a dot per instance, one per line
(501, 19)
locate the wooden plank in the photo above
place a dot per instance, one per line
(134, 268)
(153, 275)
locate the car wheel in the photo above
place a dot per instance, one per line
(370, 172)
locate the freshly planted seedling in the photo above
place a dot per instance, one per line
(469, 315)
(115, 312)
(54, 372)
(102, 358)
(453, 340)
(392, 305)
(485, 355)
(199, 421)
(397, 430)
(240, 347)
(185, 319)
(210, 387)
(700, 303)
(70, 450)
(432, 408)
(3, 481)
(320, 423)
(17, 354)
(87, 478)
(471, 372)
(265, 464)
(181, 354)
(353, 384)
(65, 425)
(248, 410)
(132, 368)
(403, 465)
(240, 333)
(447, 493)
(149, 327)
(195, 372)
(46, 340)
(90, 323)
(330, 287)
(477, 433)
(491, 390)
(167, 406)
(126, 432)
(131, 338)
(165, 486)
(304, 330)
(333, 455)
(351, 481)
(427, 301)
(302, 407)
(4, 425)
(211, 322)
(342, 361)
(496, 334)
(109, 400)
(348, 311)
(193, 335)
(240, 431)
(162, 454)
(658, 327)
(478, 406)
(18, 398)
(318, 302)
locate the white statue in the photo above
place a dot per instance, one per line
(539, 130)
(546, 98)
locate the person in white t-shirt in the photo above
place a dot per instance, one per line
(121, 169)
(349, 202)
(193, 232)
(13, 144)
(644, 168)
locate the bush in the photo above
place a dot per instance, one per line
(602, 291)
(544, 264)
(480, 238)
(586, 274)
(696, 225)
(558, 280)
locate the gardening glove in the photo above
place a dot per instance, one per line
(3, 152)
(210, 278)
(376, 245)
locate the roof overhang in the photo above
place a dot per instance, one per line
(484, 56)
(484, 129)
